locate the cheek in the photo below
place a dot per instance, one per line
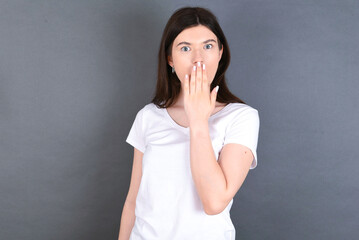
(211, 63)
(211, 71)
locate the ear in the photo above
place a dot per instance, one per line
(169, 60)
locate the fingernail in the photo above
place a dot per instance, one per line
(194, 68)
(217, 88)
(198, 64)
(204, 66)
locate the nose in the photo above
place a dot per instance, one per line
(197, 57)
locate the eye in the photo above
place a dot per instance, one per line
(206, 47)
(185, 47)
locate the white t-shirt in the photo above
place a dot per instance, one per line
(167, 204)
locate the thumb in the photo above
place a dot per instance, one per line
(214, 95)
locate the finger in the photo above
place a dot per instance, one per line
(199, 78)
(214, 94)
(186, 85)
(205, 84)
(193, 81)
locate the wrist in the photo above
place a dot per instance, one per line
(199, 128)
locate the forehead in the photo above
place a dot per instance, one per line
(198, 33)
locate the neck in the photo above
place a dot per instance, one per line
(180, 100)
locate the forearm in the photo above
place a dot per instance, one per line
(127, 221)
(206, 172)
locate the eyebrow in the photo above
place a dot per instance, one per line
(187, 43)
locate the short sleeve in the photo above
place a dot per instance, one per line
(244, 130)
(136, 136)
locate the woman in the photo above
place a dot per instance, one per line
(193, 146)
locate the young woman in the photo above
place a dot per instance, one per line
(193, 146)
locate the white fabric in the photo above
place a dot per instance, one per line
(168, 205)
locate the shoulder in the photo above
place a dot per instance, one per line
(147, 110)
(240, 114)
(241, 109)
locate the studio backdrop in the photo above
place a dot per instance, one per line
(73, 75)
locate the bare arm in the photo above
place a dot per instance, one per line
(217, 182)
(128, 213)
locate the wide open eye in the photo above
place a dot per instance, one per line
(208, 46)
(185, 47)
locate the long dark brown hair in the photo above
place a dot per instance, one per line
(168, 85)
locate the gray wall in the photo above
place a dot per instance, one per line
(73, 75)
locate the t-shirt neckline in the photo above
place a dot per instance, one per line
(186, 129)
